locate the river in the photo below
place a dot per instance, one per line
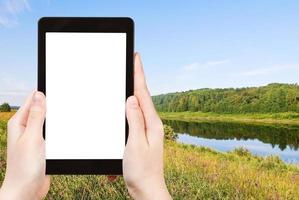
(263, 140)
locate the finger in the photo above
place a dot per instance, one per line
(36, 115)
(135, 121)
(17, 123)
(152, 119)
(44, 188)
(22, 113)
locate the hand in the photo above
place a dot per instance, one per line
(143, 157)
(25, 172)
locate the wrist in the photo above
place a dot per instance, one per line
(150, 190)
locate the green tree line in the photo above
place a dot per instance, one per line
(272, 98)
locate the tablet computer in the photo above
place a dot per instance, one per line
(85, 69)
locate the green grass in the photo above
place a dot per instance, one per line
(288, 118)
(191, 173)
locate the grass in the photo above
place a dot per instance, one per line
(191, 173)
(201, 173)
(5, 116)
(288, 118)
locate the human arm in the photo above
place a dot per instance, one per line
(25, 172)
(143, 157)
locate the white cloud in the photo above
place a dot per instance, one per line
(10, 9)
(193, 66)
(196, 65)
(218, 62)
(268, 70)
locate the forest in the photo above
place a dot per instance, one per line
(272, 98)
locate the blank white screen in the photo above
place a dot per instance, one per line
(85, 88)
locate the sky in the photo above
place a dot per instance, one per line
(183, 44)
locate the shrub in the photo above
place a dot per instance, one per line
(5, 107)
(273, 162)
(169, 133)
(241, 151)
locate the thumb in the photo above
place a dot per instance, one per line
(135, 121)
(36, 115)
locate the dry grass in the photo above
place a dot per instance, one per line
(191, 173)
(200, 173)
(5, 116)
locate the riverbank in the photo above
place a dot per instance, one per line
(191, 173)
(288, 118)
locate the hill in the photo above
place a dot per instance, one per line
(272, 98)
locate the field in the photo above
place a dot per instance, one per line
(191, 173)
(287, 118)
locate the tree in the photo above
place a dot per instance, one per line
(273, 98)
(5, 107)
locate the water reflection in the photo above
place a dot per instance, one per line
(259, 139)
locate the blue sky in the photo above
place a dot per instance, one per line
(184, 44)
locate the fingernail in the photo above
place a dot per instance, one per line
(132, 102)
(38, 98)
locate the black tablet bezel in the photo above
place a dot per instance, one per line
(86, 24)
